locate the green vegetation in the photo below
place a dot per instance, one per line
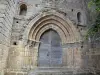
(94, 5)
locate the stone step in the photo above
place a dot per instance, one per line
(51, 71)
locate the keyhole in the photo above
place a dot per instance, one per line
(48, 54)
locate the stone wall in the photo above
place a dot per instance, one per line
(22, 24)
(94, 56)
(7, 10)
(15, 28)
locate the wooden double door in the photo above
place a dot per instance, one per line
(50, 49)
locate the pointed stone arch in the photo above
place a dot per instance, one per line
(66, 30)
(59, 20)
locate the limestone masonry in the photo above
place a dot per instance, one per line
(46, 37)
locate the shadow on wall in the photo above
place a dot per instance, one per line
(23, 10)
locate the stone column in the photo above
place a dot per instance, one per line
(33, 47)
(36, 53)
(67, 55)
(64, 57)
(71, 55)
(35, 57)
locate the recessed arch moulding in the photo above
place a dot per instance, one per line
(67, 31)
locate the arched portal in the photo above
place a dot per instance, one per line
(43, 31)
(50, 49)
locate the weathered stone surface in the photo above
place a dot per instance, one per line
(7, 10)
(20, 36)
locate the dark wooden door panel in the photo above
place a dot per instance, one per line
(50, 50)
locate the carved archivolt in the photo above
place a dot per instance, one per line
(56, 21)
(66, 30)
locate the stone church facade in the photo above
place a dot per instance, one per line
(44, 37)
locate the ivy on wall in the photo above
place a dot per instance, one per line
(94, 28)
